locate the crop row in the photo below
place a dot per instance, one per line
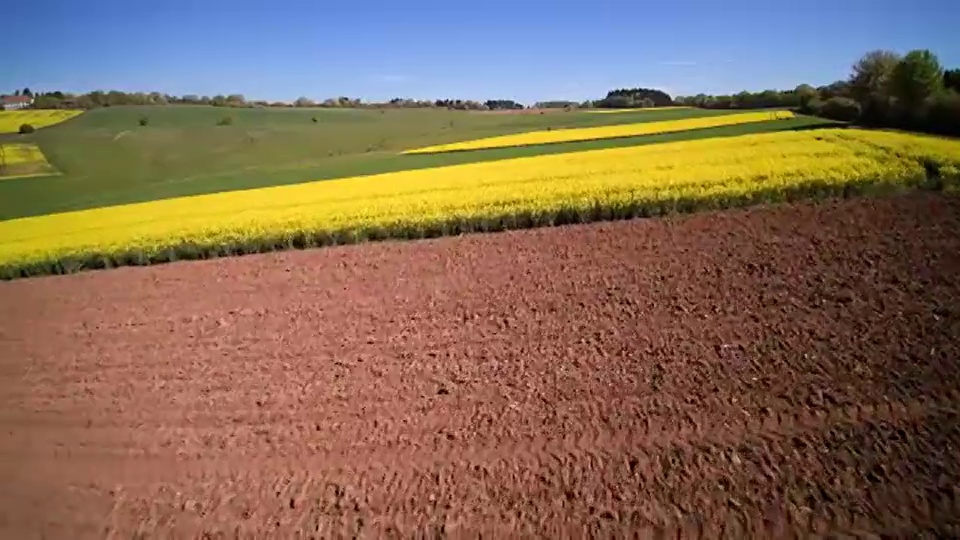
(10, 121)
(524, 192)
(22, 159)
(605, 132)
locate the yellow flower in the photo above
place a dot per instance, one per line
(10, 121)
(617, 182)
(605, 132)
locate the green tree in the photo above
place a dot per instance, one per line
(47, 101)
(917, 77)
(951, 79)
(872, 73)
(97, 98)
(841, 108)
(805, 93)
(944, 113)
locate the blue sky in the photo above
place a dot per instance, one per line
(527, 51)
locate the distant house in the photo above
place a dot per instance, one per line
(10, 103)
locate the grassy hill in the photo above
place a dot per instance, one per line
(107, 158)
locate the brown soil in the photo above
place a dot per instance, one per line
(751, 373)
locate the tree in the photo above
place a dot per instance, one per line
(97, 98)
(47, 101)
(236, 100)
(633, 97)
(303, 102)
(841, 108)
(16, 92)
(951, 79)
(27, 92)
(917, 77)
(502, 104)
(872, 73)
(85, 102)
(834, 89)
(805, 93)
(944, 113)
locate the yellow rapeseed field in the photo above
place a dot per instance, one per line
(22, 159)
(605, 132)
(614, 111)
(590, 185)
(10, 121)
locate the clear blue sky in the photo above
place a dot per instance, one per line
(378, 49)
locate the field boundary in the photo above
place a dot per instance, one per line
(456, 225)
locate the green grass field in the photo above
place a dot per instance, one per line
(107, 158)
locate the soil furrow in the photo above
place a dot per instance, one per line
(763, 372)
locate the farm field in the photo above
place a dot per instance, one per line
(606, 132)
(23, 160)
(523, 192)
(749, 373)
(10, 121)
(470, 270)
(620, 111)
(106, 158)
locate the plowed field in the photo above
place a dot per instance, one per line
(758, 373)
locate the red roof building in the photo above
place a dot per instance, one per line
(15, 102)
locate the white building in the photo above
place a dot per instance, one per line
(10, 103)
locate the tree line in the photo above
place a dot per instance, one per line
(884, 89)
(113, 98)
(633, 98)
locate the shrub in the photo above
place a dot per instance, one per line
(813, 106)
(26, 129)
(315, 120)
(841, 108)
(144, 120)
(943, 113)
(225, 121)
(877, 110)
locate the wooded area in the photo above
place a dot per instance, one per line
(884, 90)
